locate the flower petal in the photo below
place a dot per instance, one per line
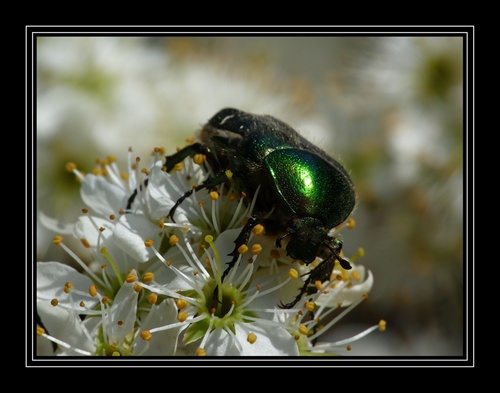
(271, 341)
(102, 196)
(66, 326)
(130, 233)
(163, 343)
(52, 278)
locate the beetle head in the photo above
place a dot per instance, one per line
(309, 239)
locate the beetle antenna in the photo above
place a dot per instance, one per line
(344, 263)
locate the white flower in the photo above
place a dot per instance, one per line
(230, 317)
(163, 288)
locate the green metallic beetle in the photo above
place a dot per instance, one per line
(303, 194)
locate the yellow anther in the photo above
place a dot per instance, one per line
(124, 176)
(40, 331)
(148, 243)
(201, 352)
(131, 278)
(70, 166)
(310, 306)
(365, 296)
(199, 159)
(148, 277)
(349, 348)
(382, 325)
(258, 229)
(251, 338)
(182, 316)
(121, 211)
(57, 240)
(137, 288)
(178, 166)
(161, 223)
(152, 298)
(159, 150)
(93, 290)
(294, 274)
(256, 249)
(243, 249)
(214, 195)
(173, 240)
(181, 304)
(275, 254)
(85, 243)
(201, 203)
(85, 210)
(318, 285)
(68, 285)
(296, 337)
(82, 304)
(190, 140)
(169, 262)
(355, 275)
(54, 302)
(351, 223)
(105, 300)
(146, 335)
(303, 329)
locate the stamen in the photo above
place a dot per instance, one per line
(182, 316)
(201, 352)
(152, 298)
(256, 249)
(58, 241)
(251, 338)
(181, 304)
(258, 229)
(104, 251)
(173, 240)
(42, 333)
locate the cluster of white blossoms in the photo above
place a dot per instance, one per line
(154, 286)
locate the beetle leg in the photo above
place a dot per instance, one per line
(172, 160)
(280, 238)
(240, 240)
(209, 183)
(321, 272)
(191, 150)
